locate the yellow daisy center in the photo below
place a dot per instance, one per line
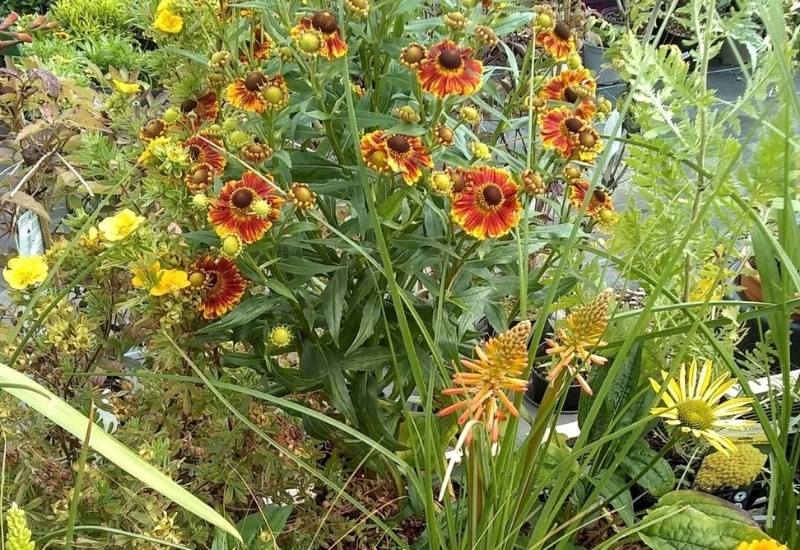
(696, 414)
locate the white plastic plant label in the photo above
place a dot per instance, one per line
(29, 235)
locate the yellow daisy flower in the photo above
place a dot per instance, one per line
(24, 271)
(168, 22)
(123, 87)
(692, 403)
(120, 225)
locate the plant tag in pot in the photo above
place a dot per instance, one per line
(29, 235)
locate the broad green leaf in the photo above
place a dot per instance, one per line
(69, 419)
(370, 417)
(369, 318)
(687, 520)
(658, 479)
(332, 303)
(307, 166)
(317, 361)
(242, 314)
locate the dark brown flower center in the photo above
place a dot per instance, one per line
(450, 59)
(194, 152)
(599, 195)
(414, 54)
(571, 94)
(587, 138)
(398, 144)
(562, 30)
(254, 81)
(153, 128)
(459, 182)
(574, 124)
(188, 106)
(302, 193)
(200, 175)
(325, 22)
(492, 195)
(242, 198)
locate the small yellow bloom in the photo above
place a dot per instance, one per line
(168, 22)
(763, 544)
(123, 87)
(480, 150)
(169, 282)
(145, 277)
(90, 239)
(120, 225)
(280, 336)
(164, 5)
(24, 271)
(149, 153)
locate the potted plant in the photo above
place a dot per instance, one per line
(600, 33)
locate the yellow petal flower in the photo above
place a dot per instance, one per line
(763, 544)
(117, 227)
(142, 278)
(149, 151)
(125, 87)
(170, 281)
(164, 5)
(24, 271)
(168, 22)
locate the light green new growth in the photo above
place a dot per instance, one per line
(18, 536)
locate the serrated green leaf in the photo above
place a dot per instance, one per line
(657, 480)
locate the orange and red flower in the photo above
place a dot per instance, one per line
(245, 93)
(569, 135)
(327, 24)
(599, 202)
(488, 205)
(202, 109)
(576, 87)
(450, 70)
(232, 212)
(559, 43)
(204, 149)
(261, 44)
(220, 284)
(398, 153)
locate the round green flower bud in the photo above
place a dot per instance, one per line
(574, 61)
(231, 246)
(238, 139)
(199, 201)
(172, 115)
(262, 208)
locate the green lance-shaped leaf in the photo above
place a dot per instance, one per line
(60, 412)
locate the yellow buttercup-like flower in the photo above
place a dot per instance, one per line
(24, 271)
(123, 87)
(168, 22)
(120, 225)
(692, 403)
(145, 277)
(763, 544)
(149, 153)
(169, 282)
(164, 5)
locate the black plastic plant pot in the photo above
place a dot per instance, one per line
(537, 386)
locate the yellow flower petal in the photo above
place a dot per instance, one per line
(168, 22)
(24, 271)
(117, 227)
